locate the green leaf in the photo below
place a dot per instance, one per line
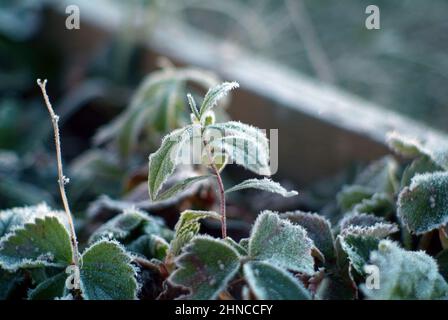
(245, 152)
(405, 275)
(214, 95)
(349, 196)
(45, 242)
(404, 145)
(193, 107)
(360, 220)
(107, 273)
(128, 225)
(49, 289)
(239, 248)
(264, 184)
(188, 226)
(269, 282)
(318, 229)
(151, 246)
(336, 286)
(420, 165)
(360, 235)
(245, 145)
(205, 267)
(11, 219)
(379, 204)
(380, 176)
(163, 162)
(433, 147)
(423, 205)
(120, 227)
(280, 242)
(358, 249)
(237, 128)
(377, 230)
(244, 243)
(156, 108)
(8, 282)
(180, 186)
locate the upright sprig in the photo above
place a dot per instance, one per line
(221, 143)
(62, 179)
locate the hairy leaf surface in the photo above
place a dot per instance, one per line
(44, 242)
(269, 282)
(188, 226)
(423, 205)
(205, 267)
(281, 243)
(107, 273)
(318, 229)
(405, 275)
(264, 184)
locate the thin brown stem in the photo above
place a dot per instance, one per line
(221, 194)
(62, 180)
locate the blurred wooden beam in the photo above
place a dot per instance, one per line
(322, 129)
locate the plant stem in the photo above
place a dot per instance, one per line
(221, 194)
(62, 180)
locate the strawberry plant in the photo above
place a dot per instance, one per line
(387, 239)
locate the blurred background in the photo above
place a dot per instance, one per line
(110, 121)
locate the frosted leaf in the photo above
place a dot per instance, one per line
(420, 165)
(151, 246)
(163, 162)
(377, 230)
(362, 220)
(188, 226)
(128, 224)
(214, 95)
(349, 196)
(436, 149)
(157, 105)
(359, 219)
(269, 282)
(8, 282)
(43, 242)
(360, 235)
(380, 176)
(235, 128)
(237, 246)
(423, 205)
(405, 275)
(264, 184)
(50, 288)
(107, 273)
(205, 267)
(11, 219)
(379, 204)
(244, 151)
(280, 242)
(193, 107)
(318, 229)
(180, 186)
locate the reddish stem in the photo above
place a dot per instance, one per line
(223, 202)
(221, 194)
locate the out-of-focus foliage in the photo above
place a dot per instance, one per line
(328, 40)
